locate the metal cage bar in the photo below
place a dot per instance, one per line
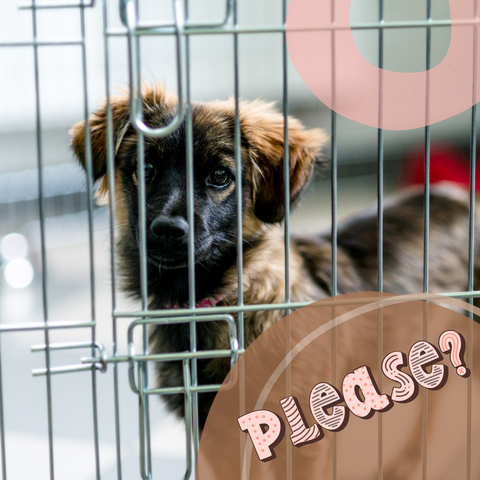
(426, 227)
(380, 189)
(113, 262)
(183, 29)
(471, 246)
(89, 165)
(42, 236)
(191, 243)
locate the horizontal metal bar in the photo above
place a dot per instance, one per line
(164, 357)
(41, 43)
(152, 29)
(41, 372)
(196, 31)
(117, 359)
(173, 390)
(143, 26)
(59, 5)
(265, 307)
(10, 327)
(62, 346)
(214, 313)
(164, 314)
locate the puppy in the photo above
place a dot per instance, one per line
(215, 223)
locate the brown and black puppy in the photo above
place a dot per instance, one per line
(263, 207)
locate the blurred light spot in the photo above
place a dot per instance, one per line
(18, 273)
(13, 246)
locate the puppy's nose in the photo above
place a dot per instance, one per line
(169, 230)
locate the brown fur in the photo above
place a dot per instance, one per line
(262, 151)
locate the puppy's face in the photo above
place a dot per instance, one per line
(214, 180)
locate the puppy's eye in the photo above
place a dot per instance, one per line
(220, 177)
(149, 171)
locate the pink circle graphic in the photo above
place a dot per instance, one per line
(325, 59)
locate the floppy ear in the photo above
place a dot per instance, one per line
(263, 130)
(98, 134)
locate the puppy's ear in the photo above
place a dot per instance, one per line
(98, 133)
(263, 130)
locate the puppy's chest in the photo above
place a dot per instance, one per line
(267, 285)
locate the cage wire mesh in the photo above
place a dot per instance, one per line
(60, 285)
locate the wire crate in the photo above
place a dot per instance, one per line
(94, 415)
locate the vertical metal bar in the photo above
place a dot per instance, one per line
(239, 200)
(471, 244)
(143, 420)
(188, 419)
(113, 262)
(380, 150)
(334, 180)
(142, 213)
(471, 259)
(334, 174)
(286, 160)
(380, 386)
(286, 184)
(89, 169)
(41, 202)
(426, 232)
(238, 182)
(427, 154)
(145, 437)
(191, 248)
(425, 403)
(380, 184)
(142, 230)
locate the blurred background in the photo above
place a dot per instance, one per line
(68, 289)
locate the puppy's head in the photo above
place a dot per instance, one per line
(262, 152)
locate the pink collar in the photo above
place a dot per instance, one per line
(205, 303)
(209, 302)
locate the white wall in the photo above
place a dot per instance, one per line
(61, 68)
(212, 56)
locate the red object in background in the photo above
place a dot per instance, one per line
(447, 163)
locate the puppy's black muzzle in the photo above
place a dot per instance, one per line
(170, 232)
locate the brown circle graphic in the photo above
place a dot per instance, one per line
(351, 386)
